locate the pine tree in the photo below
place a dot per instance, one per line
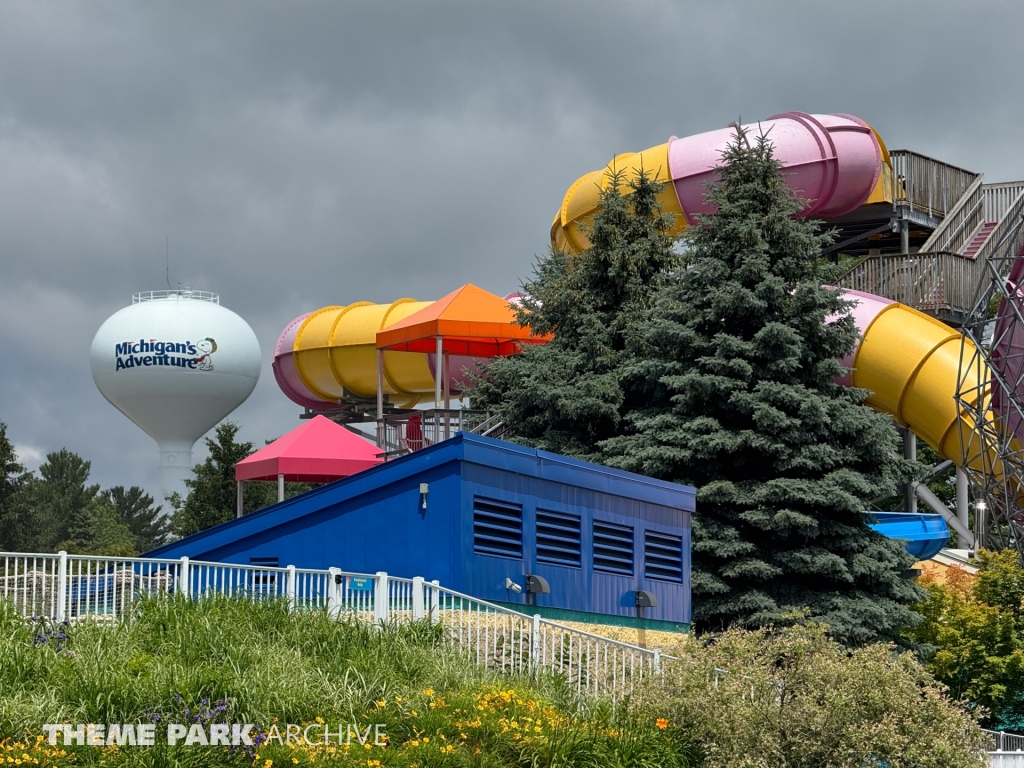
(567, 396)
(17, 524)
(63, 502)
(136, 510)
(213, 492)
(737, 364)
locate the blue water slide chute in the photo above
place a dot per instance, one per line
(924, 535)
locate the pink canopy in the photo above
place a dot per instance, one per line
(319, 451)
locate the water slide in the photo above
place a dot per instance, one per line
(908, 360)
(330, 355)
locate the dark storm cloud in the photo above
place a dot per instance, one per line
(304, 154)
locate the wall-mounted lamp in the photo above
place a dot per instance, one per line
(509, 584)
(424, 490)
(643, 599)
(536, 585)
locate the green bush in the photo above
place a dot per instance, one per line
(794, 698)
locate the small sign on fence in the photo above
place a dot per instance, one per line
(360, 584)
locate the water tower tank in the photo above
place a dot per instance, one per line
(175, 363)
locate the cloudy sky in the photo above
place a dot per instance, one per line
(299, 154)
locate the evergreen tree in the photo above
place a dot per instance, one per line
(63, 502)
(568, 396)
(136, 510)
(17, 524)
(213, 493)
(105, 534)
(737, 364)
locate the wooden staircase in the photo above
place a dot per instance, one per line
(976, 242)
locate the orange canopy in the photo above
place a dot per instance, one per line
(470, 322)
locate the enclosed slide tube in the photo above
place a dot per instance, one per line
(836, 162)
(329, 355)
(910, 362)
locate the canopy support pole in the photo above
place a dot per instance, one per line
(380, 384)
(447, 369)
(280, 488)
(438, 370)
(447, 380)
(380, 398)
(239, 507)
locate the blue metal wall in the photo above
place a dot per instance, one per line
(374, 521)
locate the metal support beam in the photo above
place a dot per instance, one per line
(904, 235)
(239, 502)
(887, 227)
(909, 452)
(962, 510)
(438, 371)
(929, 498)
(280, 488)
(380, 384)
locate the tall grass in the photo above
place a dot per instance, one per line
(173, 658)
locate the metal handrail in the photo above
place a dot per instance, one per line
(513, 612)
(181, 293)
(1001, 740)
(74, 587)
(397, 436)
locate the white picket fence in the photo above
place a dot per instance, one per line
(74, 587)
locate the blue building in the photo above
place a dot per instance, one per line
(475, 513)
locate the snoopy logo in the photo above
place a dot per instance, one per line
(206, 348)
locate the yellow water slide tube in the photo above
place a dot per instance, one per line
(329, 355)
(911, 363)
(836, 162)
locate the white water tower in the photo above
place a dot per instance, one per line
(175, 363)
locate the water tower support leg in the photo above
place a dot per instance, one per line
(280, 488)
(239, 507)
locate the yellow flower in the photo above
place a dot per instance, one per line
(320, 720)
(381, 704)
(662, 723)
(429, 692)
(295, 760)
(426, 740)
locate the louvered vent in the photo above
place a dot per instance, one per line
(663, 556)
(613, 548)
(497, 528)
(558, 538)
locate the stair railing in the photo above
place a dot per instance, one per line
(927, 185)
(1008, 235)
(961, 223)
